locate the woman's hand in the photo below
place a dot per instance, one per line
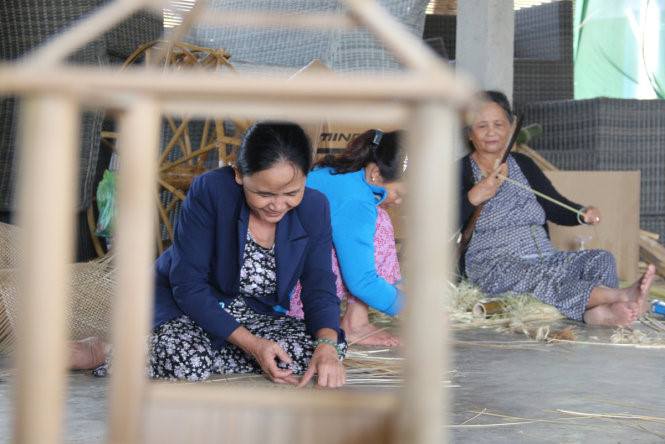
(487, 188)
(592, 216)
(327, 366)
(266, 353)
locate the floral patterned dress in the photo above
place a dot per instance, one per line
(180, 349)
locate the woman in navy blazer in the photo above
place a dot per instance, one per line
(243, 239)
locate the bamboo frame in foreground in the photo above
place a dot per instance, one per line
(138, 146)
(425, 101)
(49, 130)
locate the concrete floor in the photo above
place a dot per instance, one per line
(534, 381)
(498, 373)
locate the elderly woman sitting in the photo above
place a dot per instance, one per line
(510, 250)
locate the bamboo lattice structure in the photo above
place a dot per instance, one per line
(425, 100)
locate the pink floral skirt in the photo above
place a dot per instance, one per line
(385, 257)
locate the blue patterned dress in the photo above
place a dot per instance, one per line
(510, 252)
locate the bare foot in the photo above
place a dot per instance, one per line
(368, 334)
(359, 330)
(643, 285)
(87, 353)
(616, 314)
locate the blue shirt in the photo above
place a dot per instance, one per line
(353, 215)
(202, 267)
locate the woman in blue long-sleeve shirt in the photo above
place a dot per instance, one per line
(367, 174)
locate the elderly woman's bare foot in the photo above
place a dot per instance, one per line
(616, 314)
(87, 353)
(643, 285)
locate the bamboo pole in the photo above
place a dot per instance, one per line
(137, 148)
(46, 215)
(187, 140)
(199, 152)
(176, 192)
(176, 138)
(316, 21)
(303, 111)
(207, 86)
(231, 140)
(271, 397)
(431, 134)
(87, 29)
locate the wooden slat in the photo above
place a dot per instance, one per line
(212, 413)
(46, 214)
(206, 86)
(137, 147)
(315, 21)
(270, 397)
(302, 111)
(429, 269)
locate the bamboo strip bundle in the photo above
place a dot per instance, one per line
(364, 368)
(657, 419)
(507, 310)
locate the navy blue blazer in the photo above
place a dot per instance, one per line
(202, 267)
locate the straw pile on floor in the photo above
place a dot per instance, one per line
(518, 313)
(524, 314)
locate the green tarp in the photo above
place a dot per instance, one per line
(619, 49)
